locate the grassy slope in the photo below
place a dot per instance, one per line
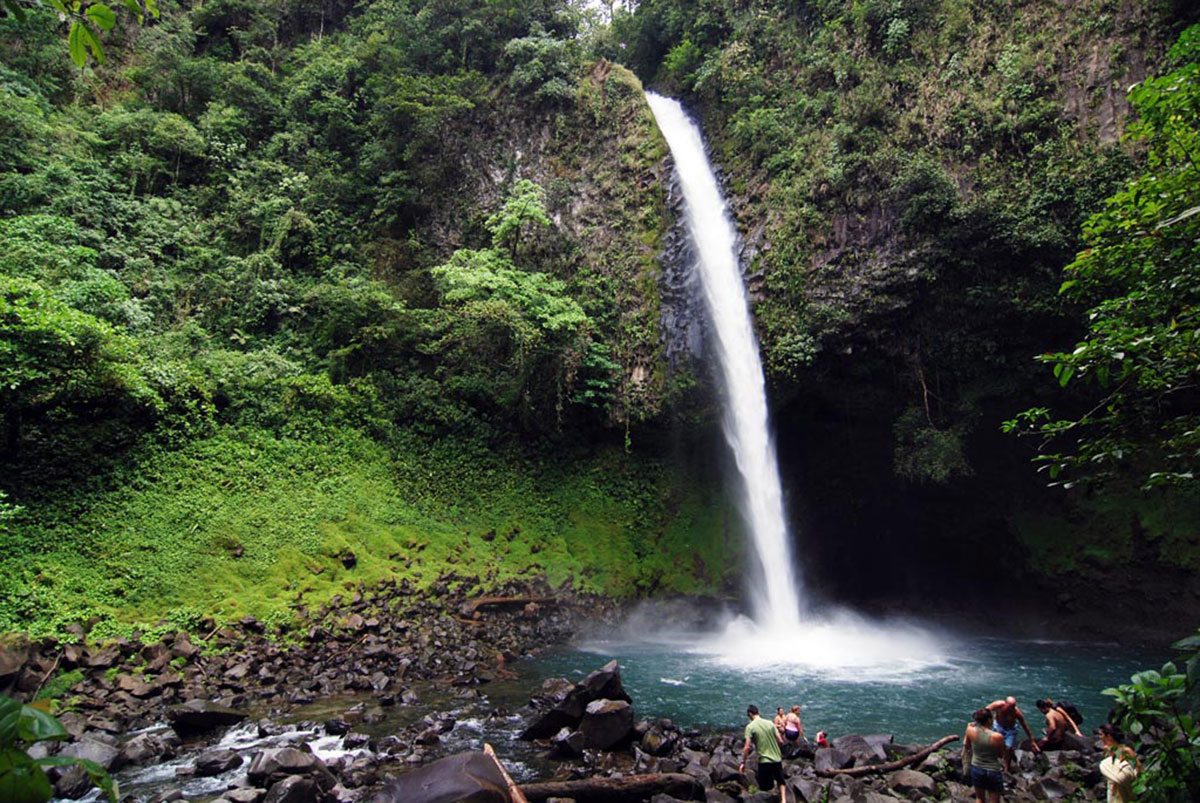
(160, 542)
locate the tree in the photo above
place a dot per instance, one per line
(1140, 361)
(55, 357)
(87, 21)
(510, 326)
(1163, 705)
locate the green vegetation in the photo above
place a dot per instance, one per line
(1141, 271)
(1165, 706)
(256, 313)
(22, 779)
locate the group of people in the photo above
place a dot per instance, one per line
(991, 740)
(768, 738)
(988, 746)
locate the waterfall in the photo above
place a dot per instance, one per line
(776, 595)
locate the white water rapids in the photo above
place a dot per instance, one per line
(782, 624)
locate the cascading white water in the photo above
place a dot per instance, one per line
(745, 421)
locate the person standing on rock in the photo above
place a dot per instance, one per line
(986, 749)
(765, 738)
(793, 728)
(1007, 714)
(1120, 765)
(780, 719)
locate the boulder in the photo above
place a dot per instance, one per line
(73, 784)
(293, 789)
(93, 749)
(912, 783)
(470, 777)
(659, 742)
(198, 716)
(141, 749)
(567, 744)
(607, 724)
(831, 758)
(217, 762)
(248, 795)
(806, 791)
(863, 751)
(13, 656)
(272, 765)
(605, 684)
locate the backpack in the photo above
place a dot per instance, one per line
(1071, 710)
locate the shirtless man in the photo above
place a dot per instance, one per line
(1007, 716)
(1057, 723)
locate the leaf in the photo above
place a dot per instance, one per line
(21, 780)
(101, 16)
(60, 8)
(135, 8)
(38, 726)
(99, 776)
(152, 7)
(76, 44)
(93, 43)
(10, 715)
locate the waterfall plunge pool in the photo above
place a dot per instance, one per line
(917, 701)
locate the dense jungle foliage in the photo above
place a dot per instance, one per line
(297, 295)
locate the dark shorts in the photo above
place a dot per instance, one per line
(987, 780)
(791, 735)
(769, 773)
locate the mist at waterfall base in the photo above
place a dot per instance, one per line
(796, 637)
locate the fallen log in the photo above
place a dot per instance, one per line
(471, 607)
(891, 766)
(618, 789)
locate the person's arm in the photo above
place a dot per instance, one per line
(1028, 732)
(966, 751)
(779, 736)
(1000, 745)
(799, 723)
(745, 754)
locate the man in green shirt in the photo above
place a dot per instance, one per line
(765, 738)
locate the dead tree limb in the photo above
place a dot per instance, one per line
(471, 607)
(891, 766)
(618, 789)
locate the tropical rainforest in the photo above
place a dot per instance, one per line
(295, 297)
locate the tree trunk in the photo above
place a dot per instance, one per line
(625, 789)
(891, 766)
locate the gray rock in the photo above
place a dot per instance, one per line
(807, 790)
(607, 724)
(92, 749)
(293, 789)
(912, 783)
(831, 758)
(272, 765)
(567, 744)
(247, 795)
(216, 762)
(863, 751)
(465, 776)
(197, 716)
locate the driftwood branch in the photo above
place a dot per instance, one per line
(617, 790)
(504, 602)
(514, 791)
(891, 766)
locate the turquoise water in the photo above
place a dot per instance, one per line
(916, 703)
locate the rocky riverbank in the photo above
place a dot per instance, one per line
(377, 643)
(211, 715)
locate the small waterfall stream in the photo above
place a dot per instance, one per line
(777, 599)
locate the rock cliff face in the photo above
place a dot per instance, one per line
(907, 217)
(605, 168)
